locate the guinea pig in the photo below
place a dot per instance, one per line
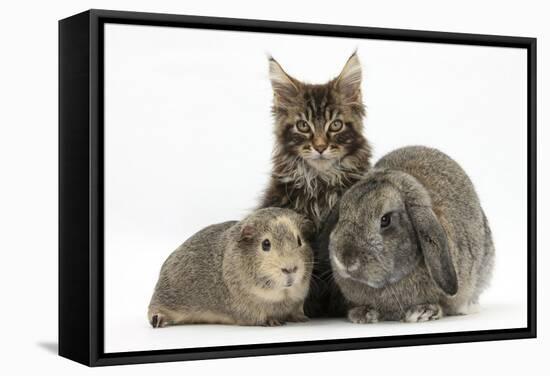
(410, 241)
(253, 272)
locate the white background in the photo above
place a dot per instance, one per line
(188, 139)
(28, 200)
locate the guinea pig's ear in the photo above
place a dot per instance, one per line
(435, 248)
(247, 233)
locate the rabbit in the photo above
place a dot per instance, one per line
(253, 272)
(410, 242)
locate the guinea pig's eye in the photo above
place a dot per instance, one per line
(302, 126)
(266, 245)
(299, 241)
(385, 221)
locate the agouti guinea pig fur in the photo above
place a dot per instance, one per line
(253, 272)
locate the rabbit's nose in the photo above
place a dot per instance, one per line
(354, 266)
(349, 259)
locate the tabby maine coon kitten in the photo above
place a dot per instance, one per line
(319, 153)
(319, 150)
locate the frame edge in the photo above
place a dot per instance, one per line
(80, 205)
(74, 330)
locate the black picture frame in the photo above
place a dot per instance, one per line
(81, 286)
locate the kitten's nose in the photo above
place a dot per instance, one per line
(320, 147)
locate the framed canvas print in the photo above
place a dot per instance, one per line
(234, 187)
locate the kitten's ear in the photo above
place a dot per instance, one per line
(284, 86)
(349, 80)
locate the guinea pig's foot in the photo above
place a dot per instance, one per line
(424, 312)
(363, 315)
(273, 322)
(158, 320)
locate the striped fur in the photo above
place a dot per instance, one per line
(320, 150)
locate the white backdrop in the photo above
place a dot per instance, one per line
(28, 193)
(188, 139)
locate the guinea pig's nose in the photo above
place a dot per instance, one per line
(289, 270)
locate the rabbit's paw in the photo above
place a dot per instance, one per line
(363, 315)
(424, 312)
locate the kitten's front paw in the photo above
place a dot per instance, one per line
(273, 322)
(363, 315)
(424, 312)
(297, 318)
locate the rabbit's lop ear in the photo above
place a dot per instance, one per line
(435, 248)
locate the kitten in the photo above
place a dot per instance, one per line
(319, 150)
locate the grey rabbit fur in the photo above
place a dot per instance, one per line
(410, 241)
(252, 272)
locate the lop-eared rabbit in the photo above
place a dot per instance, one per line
(410, 242)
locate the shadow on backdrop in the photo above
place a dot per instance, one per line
(51, 347)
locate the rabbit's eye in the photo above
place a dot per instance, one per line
(299, 241)
(266, 245)
(385, 221)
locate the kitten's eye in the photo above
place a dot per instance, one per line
(302, 126)
(385, 221)
(299, 241)
(266, 245)
(335, 126)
